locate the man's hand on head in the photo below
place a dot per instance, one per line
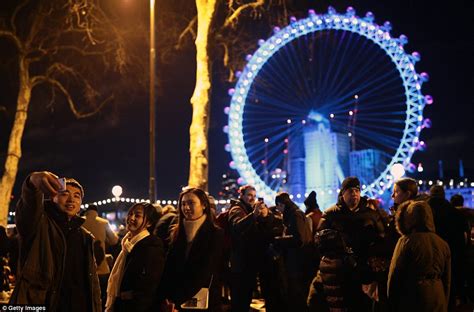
(46, 182)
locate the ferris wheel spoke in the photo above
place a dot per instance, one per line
(374, 136)
(371, 84)
(290, 77)
(297, 70)
(341, 59)
(353, 67)
(270, 103)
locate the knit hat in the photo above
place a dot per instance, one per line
(311, 202)
(350, 182)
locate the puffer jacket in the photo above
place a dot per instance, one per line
(419, 276)
(43, 252)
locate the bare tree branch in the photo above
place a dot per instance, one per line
(189, 29)
(15, 13)
(72, 105)
(232, 19)
(10, 35)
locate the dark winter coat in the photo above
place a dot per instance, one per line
(250, 238)
(142, 274)
(360, 228)
(294, 244)
(43, 254)
(184, 277)
(451, 226)
(419, 276)
(163, 227)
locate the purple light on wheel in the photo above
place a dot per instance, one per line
(403, 39)
(350, 11)
(416, 56)
(424, 76)
(426, 123)
(428, 99)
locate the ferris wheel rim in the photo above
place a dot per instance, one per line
(380, 35)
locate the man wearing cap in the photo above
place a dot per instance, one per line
(57, 267)
(103, 234)
(360, 227)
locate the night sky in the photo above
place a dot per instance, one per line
(112, 147)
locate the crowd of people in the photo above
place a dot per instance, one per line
(353, 256)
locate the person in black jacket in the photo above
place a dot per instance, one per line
(56, 267)
(451, 226)
(361, 228)
(251, 227)
(294, 245)
(137, 271)
(195, 254)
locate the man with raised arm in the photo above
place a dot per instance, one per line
(57, 267)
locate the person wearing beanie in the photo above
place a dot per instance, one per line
(360, 227)
(56, 268)
(312, 211)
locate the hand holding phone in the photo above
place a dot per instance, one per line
(62, 181)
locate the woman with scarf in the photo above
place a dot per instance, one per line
(137, 271)
(194, 257)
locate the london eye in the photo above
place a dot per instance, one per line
(327, 96)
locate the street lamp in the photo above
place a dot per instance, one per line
(117, 191)
(152, 185)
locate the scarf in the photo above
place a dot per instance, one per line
(192, 226)
(115, 279)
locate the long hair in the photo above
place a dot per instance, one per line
(203, 198)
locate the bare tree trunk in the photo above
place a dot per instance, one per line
(14, 143)
(200, 101)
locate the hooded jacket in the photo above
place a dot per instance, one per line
(419, 276)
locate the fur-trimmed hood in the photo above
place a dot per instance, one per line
(414, 216)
